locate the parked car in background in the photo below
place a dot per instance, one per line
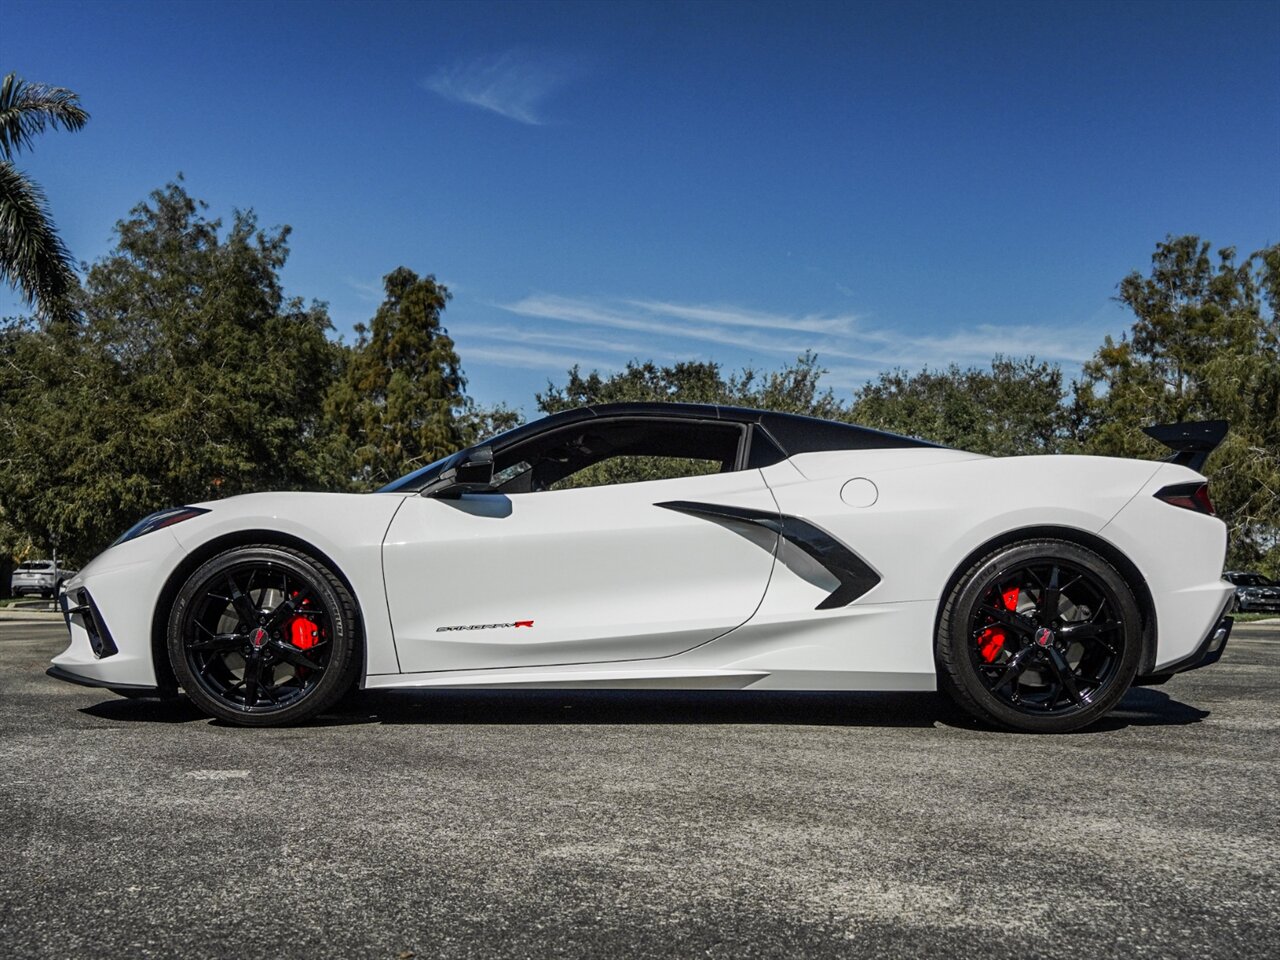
(38, 578)
(1254, 592)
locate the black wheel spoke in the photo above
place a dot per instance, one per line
(286, 607)
(1014, 621)
(1050, 597)
(1087, 630)
(291, 654)
(252, 679)
(217, 642)
(244, 607)
(1013, 668)
(1065, 676)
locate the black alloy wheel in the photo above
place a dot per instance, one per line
(1043, 636)
(263, 635)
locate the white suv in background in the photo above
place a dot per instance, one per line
(38, 577)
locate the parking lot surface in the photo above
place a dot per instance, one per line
(585, 824)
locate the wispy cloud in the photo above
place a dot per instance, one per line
(514, 85)
(850, 346)
(366, 291)
(737, 317)
(532, 358)
(568, 339)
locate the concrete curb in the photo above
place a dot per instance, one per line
(29, 615)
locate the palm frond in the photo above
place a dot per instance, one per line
(33, 257)
(26, 109)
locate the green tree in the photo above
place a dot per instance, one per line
(1204, 344)
(400, 402)
(793, 389)
(1013, 408)
(189, 376)
(33, 257)
(479, 422)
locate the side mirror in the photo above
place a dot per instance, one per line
(473, 473)
(475, 470)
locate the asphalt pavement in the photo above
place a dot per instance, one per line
(585, 824)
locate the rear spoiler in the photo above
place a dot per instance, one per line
(1191, 442)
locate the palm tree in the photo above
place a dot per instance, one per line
(32, 256)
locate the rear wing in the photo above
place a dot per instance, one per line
(1191, 442)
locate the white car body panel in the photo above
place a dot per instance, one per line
(347, 528)
(1181, 559)
(600, 572)
(623, 592)
(126, 591)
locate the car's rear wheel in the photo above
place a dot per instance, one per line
(264, 635)
(1042, 636)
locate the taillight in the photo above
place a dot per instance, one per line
(1189, 496)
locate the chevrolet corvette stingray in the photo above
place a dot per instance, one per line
(678, 546)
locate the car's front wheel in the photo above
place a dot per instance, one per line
(1042, 636)
(264, 635)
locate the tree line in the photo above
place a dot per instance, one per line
(179, 371)
(185, 373)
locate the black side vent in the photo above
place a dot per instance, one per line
(854, 574)
(81, 606)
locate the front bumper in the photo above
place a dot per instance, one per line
(109, 610)
(81, 681)
(92, 659)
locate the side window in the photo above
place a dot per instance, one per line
(599, 453)
(626, 468)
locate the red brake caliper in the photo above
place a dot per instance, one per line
(991, 641)
(302, 633)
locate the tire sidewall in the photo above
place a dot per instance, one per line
(331, 686)
(956, 631)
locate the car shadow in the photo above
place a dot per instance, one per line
(1140, 707)
(143, 710)
(1148, 707)
(639, 707)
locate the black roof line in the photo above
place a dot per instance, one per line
(670, 408)
(782, 426)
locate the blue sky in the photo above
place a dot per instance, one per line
(886, 184)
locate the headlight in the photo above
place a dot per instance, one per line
(162, 518)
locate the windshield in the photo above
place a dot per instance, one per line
(417, 479)
(39, 565)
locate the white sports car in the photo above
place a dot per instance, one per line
(761, 551)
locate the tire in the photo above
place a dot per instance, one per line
(264, 635)
(1014, 658)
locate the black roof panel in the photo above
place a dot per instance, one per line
(793, 432)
